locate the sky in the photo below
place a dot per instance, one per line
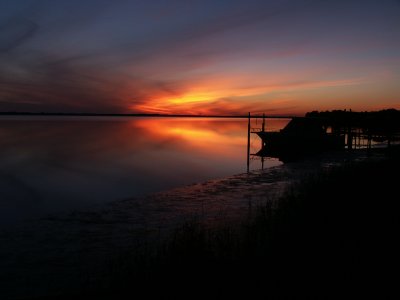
(221, 57)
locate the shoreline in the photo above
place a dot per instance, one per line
(93, 237)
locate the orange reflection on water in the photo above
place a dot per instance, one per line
(112, 158)
(200, 135)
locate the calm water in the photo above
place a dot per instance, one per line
(51, 164)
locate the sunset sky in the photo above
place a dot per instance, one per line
(199, 57)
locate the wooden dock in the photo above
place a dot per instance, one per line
(314, 134)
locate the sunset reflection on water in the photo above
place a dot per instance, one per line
(53, 164)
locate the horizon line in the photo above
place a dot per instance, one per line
(140, 115)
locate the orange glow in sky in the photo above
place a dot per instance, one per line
(279, 95)
(205, 58)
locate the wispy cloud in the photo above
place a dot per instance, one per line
(100, 56)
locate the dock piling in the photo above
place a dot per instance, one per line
(248, 145)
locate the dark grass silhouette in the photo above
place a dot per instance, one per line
(333, 235)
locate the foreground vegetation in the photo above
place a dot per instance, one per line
(333, 235)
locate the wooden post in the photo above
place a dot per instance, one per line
(369, 140)
(248, 145)
(263, 123)
(349, 138)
